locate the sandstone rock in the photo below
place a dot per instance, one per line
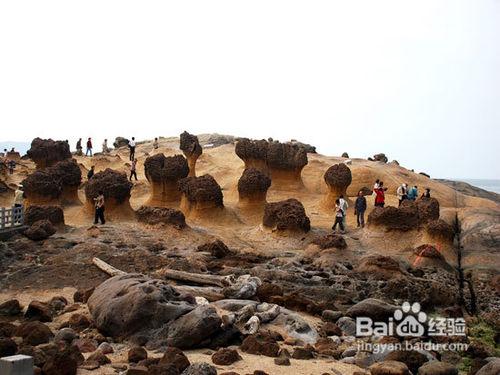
(331, 316)
(105, 348)
(338, 178)
(10, 308)
(120, 142)
(34, 333)
(201, 192)
(389, 368)
(175, 357)
(441, 368)
(123, 305)
(137, 354)
(331, 240)
(46, 152)
(253, 185)
(161, 215)
(225, 357)
(194, 327)
(162, 370)
(39, 311)
(40, 230)
(115, 186)
(260, 344)
(347, 325)
(413, 359)
(286, 215)
(54, 214)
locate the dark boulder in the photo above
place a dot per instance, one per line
(54, 214)
(40, 230)
(161, 215)
(289, 214)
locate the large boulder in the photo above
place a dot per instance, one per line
(120, 142)
(380, 267)
(252, 187)
(338, 178)
(389, 368)
(163, 173)
(42, 188)
(286, 215)
(373, 308)
(193, 328)
(443, 368)
(46, 152)
(69, 173)
(10, 308)
(54, 214)
(253, 153)
(491, 368)
(126, 304)
(200, 193)
(192, 149)
(34, 333)
(200, 368)
(161, 215)
(40, 230)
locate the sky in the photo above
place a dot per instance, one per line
(417, 80)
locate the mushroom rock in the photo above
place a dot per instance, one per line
(161, 215)
(47, 152)
(285, 162)
(116, 188)
(286, 215)
(13, 155)
(338, 178)
(164, 174)
(42, 188)
(404, 218)
(200, 194)
(70, 175)
(191, 148)
(428, 209)
(54, 214)
(253, 153)
(380, 157)
(252, 188)
(120, 142)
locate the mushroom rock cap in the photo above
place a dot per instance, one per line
(112, 183)
(42, 186)
(286, 215)
(286, 156)
(54, 214)
(68, 172)
(159, 168)
(338, 176)
(428, 209)
(404, 218)
(46, 152)
(440, 229)
(203, 189)
(252, 182)
(247, 149)
(120, 142)
(190, 145)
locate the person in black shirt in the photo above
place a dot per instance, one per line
(360, 208)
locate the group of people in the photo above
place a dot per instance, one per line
(9, 163)
(402, 192)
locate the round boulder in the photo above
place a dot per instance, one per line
(40, 230)
(200, 193)
(54, 214)
(161, 215)
(163, 173)
(42, 188)
(338, 178)
(191, 148)
(286, 215)
(252, 187)
(46, 152)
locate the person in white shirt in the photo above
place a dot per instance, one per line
(19, 196)
(402, 193)
(105, 148)
(344, 206)
(131, 146)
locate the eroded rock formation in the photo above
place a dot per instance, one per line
(286, 215)
(54, 214)
(253, 153)
(285, 162)
(68, 172)
(191, 148)
(46, 152)
(116, 188)
(161, 215)
(338, 178)
(42, 188)
(164, 173)
(252, 187)
(200, 193)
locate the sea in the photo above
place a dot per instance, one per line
(490, 185)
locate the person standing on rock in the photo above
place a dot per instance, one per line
(427, 193)
(155, 144)
(133, 170)
(12, 165)
(131, 146)
(413, 193)
(344, 206)
(402, 193)
(89, 147)
(360, 208)
(380, 195)
(99, 208)
(19, 196)
(79, 147)
(105, 148)
(339, 217)
(91, 172)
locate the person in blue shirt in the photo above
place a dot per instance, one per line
(413, 193)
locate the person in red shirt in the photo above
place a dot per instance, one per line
(380, 195)
(89, 147)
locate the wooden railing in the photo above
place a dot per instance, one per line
(11, 217)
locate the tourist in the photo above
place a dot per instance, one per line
(131, 146)
(99, 208)
(413, 193)
(19, 196)
(91, 172)
(89, 147)
(360, 208)
(402, 193)
(376, 185)
(79, 147)
(105, 148)
(12, 165)
(380, 195)
(427, 193)
(339, 216)
(155, 144)
(133, 170)
(344, 205)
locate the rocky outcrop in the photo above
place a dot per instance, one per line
(124, 305)
(69, 174)
(200, 194)
(380, 267)
(161, 215)
(252, 188)
(440, 231)
(217, 249)
(164, 173)
(379, 157)
(47, 152)
(40, 230)
(191, 148)
(253, 153)
(116, 188)
(288, 215)
(42, 188)
(338, 178)
(54, 214)
(120, 142)
(331, 240)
